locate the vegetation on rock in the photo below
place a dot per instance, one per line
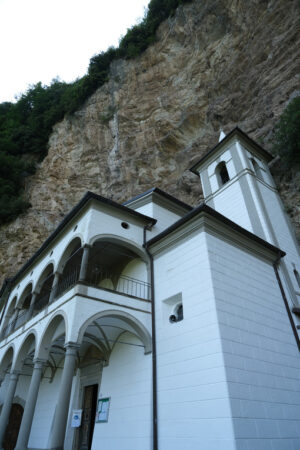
(286, 139)
(25, 126)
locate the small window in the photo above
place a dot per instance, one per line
(222, 173)
(125, 225)
(297, 276)
(177, 316)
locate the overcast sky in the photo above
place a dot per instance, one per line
(43, 39)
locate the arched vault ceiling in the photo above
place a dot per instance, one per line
(106, 331)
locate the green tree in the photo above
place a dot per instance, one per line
(25, 126)
(286, 139)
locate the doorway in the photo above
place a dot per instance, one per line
(88, 417)
(13, 427)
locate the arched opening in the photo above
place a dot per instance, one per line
(114, 266)
(106, 327)
(297, 276)
(53, 337)
(177, 315)
(23, 305)
(55, 390)
(115, 345)
(10, 316)
(69, 266)
(222, 173)
(25, 356)
(43, 289)
(6, 362)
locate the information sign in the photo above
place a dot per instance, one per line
(102, 409)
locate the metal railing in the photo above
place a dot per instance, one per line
(41, 303)
(119, 283)
(21, 318)
(68, 281)
(99, 278)
(7, 329)
(16, 322)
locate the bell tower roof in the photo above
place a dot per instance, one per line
(235, 133)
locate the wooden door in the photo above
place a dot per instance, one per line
(88, 417)
(13, 427)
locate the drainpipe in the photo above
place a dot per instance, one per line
(154, 362)
(285, 300)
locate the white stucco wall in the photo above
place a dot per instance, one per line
(281, 226)
(260, 352)
(194, 408)
(229, 201)
(164, 217)
(127, 380)
(44, 412)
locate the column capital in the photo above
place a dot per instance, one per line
(72, 345)
(87, 246)
(14, 374)
(39, 363)
(72, 348)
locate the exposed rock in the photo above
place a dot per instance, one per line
(215, 64)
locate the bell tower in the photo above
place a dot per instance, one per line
(237, 182)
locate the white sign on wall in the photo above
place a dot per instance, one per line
(102, 409)
(76, 418)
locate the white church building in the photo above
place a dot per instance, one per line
(153, 325)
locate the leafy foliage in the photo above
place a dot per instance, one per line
(12, 172)
(286, 139)
(25, 126)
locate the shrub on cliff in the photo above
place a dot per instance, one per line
(12, 173)
(286, 139)
(25, 126)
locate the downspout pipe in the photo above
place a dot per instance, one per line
(285, 300)
(154, 359)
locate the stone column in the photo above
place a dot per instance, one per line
(31, 307)
(84, 262)
(54, 287)
(58, 432)
(10, 393)
(27, 418)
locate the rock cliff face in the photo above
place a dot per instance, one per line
(216, 63)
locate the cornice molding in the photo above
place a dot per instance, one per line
(208, 224)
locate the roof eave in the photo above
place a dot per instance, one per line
(203, 208)
(89, 196)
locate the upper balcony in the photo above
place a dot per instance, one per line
(105, 266)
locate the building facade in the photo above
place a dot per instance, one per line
(154, 325)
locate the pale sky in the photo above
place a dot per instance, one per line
(43, 39)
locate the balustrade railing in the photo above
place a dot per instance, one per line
(68, 280)
(7, 329)
(119, 283)
(99, 278)
(21, 318)
(41, 303)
